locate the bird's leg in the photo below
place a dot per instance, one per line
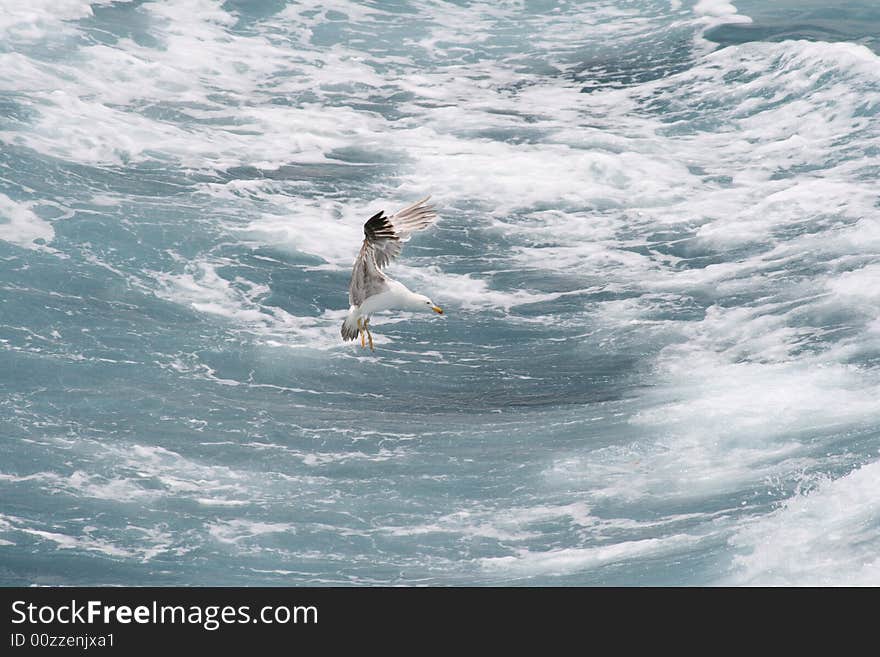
(369, 335)
(361, 331)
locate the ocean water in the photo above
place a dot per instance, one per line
(658, 251)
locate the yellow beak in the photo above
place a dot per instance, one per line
(437, 310)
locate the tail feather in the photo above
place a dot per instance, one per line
(350, 327)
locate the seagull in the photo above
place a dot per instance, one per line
(370, 290)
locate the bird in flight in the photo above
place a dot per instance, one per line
(371, 290)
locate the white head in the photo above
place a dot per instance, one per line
(421, 302)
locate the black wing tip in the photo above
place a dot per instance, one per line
(378, 227)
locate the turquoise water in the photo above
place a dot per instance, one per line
(658, 252)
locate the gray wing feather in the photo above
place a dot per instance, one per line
(366, 277)
(383, 241)
(387, 234)
(415, 217)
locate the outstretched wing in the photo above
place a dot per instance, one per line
(383, 238)
(387, 234)
(366, 277)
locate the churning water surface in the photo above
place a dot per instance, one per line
(658, 252)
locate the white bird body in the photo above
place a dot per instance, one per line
(397, 295)
(371, 290)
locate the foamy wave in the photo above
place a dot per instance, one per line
(829, 536)
(90, 540)
(91, 113)
(239, 301)
(571, 560)
(33, 20)
(19, 225)
(720, 8)
(506, 525)
(238, 531)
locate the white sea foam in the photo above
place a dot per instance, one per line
(826, 537)
(83, 484)
(236, 531)
(33, 20)
(239, 301)
(717, 8)
(572, 560)
(88, 540)
(327, 229)
(19, 225)
(744, 388)
(516, 524)
(85, 111)
(64, 541)
(203, 288)
(859, 285)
